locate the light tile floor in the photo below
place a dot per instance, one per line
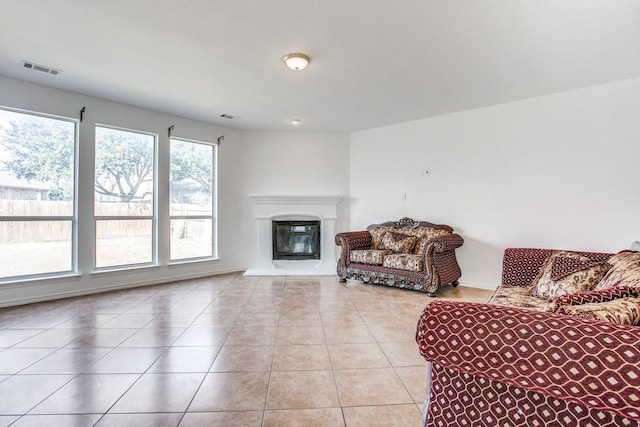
(221, 351)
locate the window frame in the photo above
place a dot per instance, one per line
(154, 217)
(73, 218)
(214, 205)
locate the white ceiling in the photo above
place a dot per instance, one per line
(373, 62)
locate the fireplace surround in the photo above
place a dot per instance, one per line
(296, 208)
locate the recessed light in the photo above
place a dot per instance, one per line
(296, 121)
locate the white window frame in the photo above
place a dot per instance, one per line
(214, 205)
(73, 218)
(153, 217)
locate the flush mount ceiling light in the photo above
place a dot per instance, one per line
(297, 61)
(295, 121)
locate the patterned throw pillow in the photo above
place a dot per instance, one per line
(377, 233)
(426, 237)
(368, 256)
(625, 311)
(625, 271)
(584, 279)
(397, 242)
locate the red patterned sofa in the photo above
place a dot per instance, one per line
(408, 254)
(500, 365)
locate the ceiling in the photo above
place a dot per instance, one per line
(373, 62)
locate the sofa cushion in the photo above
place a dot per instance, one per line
(368, 256)
(397, 242)
(519, 296)
(625, 271)
(625, 311)
(408, 262)
(578, 274)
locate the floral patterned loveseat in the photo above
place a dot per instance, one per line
(561, 359)
(408, 254)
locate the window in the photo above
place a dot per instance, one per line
(125, 210)
(37, 194)
(192, 204)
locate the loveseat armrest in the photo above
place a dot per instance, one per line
(447, 242)
(353, 240)
(349, 241)
(588, 362)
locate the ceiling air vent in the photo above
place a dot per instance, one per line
(226, 116)
(43, 68)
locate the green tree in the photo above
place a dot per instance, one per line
(124, 162)
(193, 162)
(41, 149)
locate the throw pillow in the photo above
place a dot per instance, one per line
(579, 274)
(376, 235)
(625, 311)
(397, 242)
(625, 271)
(427, 236)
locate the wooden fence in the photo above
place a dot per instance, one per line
(42, 231)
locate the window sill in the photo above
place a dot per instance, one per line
(193, 261)
(116, 271)
(32, 281)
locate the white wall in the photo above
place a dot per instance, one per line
(298, 163)
(231, 197)
(558, 171)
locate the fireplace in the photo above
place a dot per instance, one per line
(301, 210)
(296, 239)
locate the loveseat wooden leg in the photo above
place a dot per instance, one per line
(455, 283)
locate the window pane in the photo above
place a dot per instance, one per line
(35, 247)
(191, 183)
(124, 173)
(36, 165)
(191, 238)
(123, 242)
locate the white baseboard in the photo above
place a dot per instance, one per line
(479, 285)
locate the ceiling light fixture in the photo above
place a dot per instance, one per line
(296, 121)
(297, 61)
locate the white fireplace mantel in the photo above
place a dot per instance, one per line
(267, 208)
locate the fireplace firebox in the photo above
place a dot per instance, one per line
(296, 240)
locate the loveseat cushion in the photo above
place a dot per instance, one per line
(368, 256)
(397, 242)
(567, 273)
(408, 262)
(625, 271)
(625, 311)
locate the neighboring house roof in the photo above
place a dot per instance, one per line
(8, 180)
